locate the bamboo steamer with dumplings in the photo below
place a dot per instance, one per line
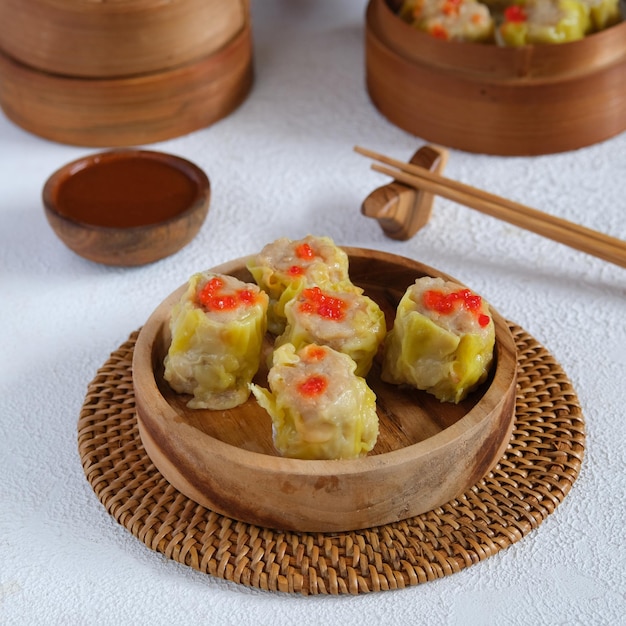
(122, 72)
(492, 99)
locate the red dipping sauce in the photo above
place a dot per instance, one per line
(127, 207)
(127, 189)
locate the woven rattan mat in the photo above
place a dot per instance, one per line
(537, 471)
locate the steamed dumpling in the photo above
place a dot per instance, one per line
(544, 22)
(442, 340)
(450, 20)
(284, 267)
(217, 331)
(344, 319)
(320, 408)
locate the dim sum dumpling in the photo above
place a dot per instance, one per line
(284, 267)
(603, 13)
(544, 22)
(320, 408)
(450, 20)
(344, 319)
(217, 331)
(442, 340)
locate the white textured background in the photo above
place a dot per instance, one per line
(284, 163)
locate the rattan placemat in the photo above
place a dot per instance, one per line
(536, 473)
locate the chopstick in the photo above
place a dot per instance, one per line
(573, 235)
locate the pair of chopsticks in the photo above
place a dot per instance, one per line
(573, 235)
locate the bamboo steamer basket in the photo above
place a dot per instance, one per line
(495, 100)
(146, 83)
(116, 38)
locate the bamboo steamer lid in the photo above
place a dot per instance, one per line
(492, 99)
(110, 38)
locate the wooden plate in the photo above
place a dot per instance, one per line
(427, 452)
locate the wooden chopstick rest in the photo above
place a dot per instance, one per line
(401, 209)
(570, 234)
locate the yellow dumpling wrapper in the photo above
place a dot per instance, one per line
(603, 13)
(320, 409)
(346, 320)
(545, 22)
(216, 351)
(284, 267)
(444, 353)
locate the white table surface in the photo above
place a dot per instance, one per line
(283, 165)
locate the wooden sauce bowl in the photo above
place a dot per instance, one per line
(493, 99)
(127, 207)
(426, 454)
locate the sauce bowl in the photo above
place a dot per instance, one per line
(127, 207)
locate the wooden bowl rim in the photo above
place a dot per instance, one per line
(145, 382)
(191, 170)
